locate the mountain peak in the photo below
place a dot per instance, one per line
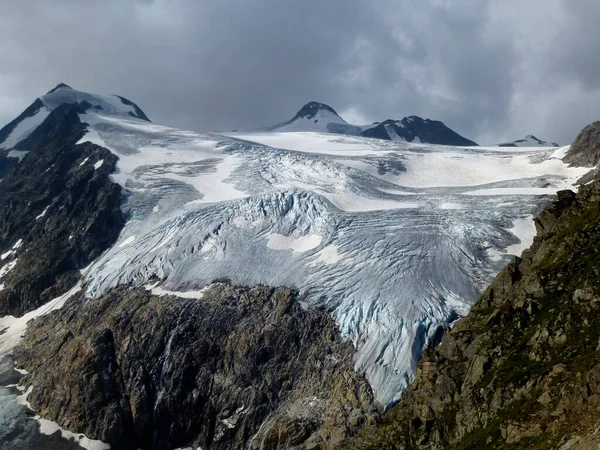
(309, 110)
(529, 141)
(21, 127)
(59, 86)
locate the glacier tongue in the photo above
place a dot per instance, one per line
(393, 255)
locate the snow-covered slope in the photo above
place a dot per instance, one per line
(529, 141)
(318, 117)
(32, 117)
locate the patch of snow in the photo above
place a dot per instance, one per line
(98, 164)
(328, 255)
(393, 135)
(18, 154)
(25, 128)
(43, 213)
(93, 137)
(7, 254)
(155, 289)
(18, 244)
(48, 427)
(298, 244)
(15, 327)
(524, 230)
(7, 268)
(84, 161)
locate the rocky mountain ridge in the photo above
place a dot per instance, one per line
(529, 141)
(315, 116)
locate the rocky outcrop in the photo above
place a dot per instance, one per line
(585, 151)
(59, 211)
(522, 369)
(416, 129)
(239, 368)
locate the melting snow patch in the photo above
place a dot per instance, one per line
(98, 164)
(84, 161)
(524, 229)
(7, 268)
(127, 241)
(18, 244)
(160, 291)
(48, 427)
(93, 137)
(42, 214)
(296, 244)
(17, 154)
(7, 254)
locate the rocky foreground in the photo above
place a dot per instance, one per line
(239, 368)
(522, 369)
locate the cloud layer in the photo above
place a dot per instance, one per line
(493, 71)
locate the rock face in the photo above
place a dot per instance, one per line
(522, 369)
(585, 151)
(416, 129)
(239, 368)
(59, 211)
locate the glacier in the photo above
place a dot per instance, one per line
(395, 239)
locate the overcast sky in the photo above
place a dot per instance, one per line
(491, 70)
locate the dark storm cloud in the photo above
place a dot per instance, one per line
(491, 70)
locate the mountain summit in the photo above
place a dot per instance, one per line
(311, 109)
(319, 117)
(20, 128)
(529, 141)
(418, 130)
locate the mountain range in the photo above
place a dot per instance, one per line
(264, 289)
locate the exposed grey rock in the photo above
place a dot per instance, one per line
(238, 368)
